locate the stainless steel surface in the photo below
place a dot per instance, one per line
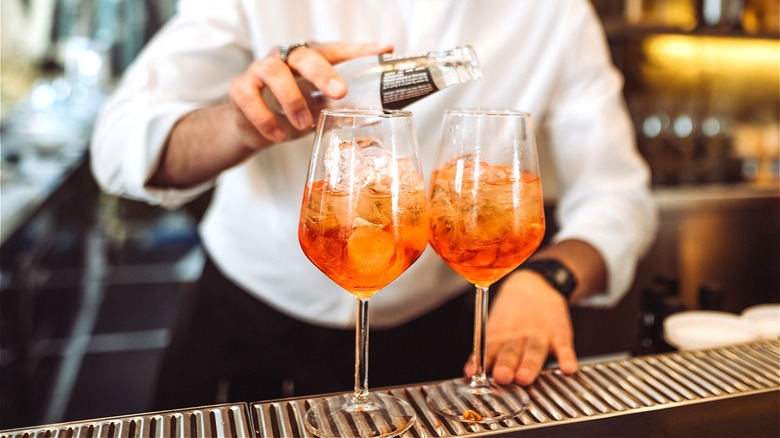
(223, 421)
(597, 391)
(717, 235)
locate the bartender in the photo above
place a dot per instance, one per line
(263, 322)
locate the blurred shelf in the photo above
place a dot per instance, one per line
(716, 195)
(618, 29)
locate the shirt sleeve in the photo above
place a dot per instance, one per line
(604, 182)
(188, 65)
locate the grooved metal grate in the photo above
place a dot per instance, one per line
(596, 391)
(212, 421)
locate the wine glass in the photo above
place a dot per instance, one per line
(363, 222)
(487, 217)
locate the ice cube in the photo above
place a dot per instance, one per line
(345, 167)
(488, 223)
(379, 163)
(411, 180)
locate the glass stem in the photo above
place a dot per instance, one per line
(361, 352)
(479, 378)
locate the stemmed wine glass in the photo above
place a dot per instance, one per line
(487, 217)
(363, 222)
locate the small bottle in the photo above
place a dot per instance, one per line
(650, 323)
(386, 81)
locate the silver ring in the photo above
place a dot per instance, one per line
(285, 51)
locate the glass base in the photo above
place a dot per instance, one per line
(472, 403)
(381, 415)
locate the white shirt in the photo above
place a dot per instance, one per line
(548, 58)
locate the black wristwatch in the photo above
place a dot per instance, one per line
(558, 275)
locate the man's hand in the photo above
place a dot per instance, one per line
(528, 320)
(256, 122)
(210, 140)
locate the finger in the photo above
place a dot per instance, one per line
(564, 351)
(534, 355)
(277, 76)
(318, 70)
(315, 63)
(470, 367)
(506, 362)
(491, 350)
(245, 96)
(336, 53)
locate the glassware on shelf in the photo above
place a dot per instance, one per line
(761, 17)
(680, 14)
(722, 14)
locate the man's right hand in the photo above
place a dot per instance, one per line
(208, 141)
(256, 123)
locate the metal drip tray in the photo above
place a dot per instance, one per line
(596, 391)
(599, 391)
(212, 421)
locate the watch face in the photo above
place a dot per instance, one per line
(555, 273)
(560, 276)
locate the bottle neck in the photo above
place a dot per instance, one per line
(463, 60)
(460, 62)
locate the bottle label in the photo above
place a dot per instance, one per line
(403, 86)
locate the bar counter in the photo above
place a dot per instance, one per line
(729, 391)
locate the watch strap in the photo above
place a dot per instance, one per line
(556, 274)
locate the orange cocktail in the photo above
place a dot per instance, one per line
(487, 217)
(363, 222)
(360, 240)
(485, 221)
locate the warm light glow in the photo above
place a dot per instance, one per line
(715, 55)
